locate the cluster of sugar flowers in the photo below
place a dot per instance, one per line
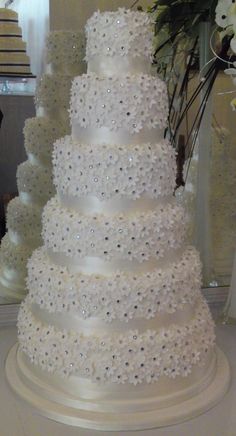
(110, 34)
(127, 357)
(226, 18)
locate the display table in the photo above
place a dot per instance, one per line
(19, 419)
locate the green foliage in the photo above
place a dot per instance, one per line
(177, 59)
(183, 13)
(181, 18)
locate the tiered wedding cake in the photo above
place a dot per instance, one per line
(114, 333)
(34, 177)
(13, 57)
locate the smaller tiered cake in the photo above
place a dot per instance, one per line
(34, 177)
(14, 60)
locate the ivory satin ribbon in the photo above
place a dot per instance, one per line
(105, 136)
(108, 397)
(56, 113)
(33, 159)
(119, 65)
(67, 69)
(96, 265)
(91, 204)
(12, 280)
(11, 274)
(36, 161)
(18, 239)
(95, 326)
(27, 198)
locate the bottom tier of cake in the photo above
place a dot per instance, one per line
(82, 403)
(13, 257)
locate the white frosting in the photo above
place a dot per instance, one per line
(123, 296)
(129, 103)
(24, 220)
(35, 181)
(40, 133)
(34, 177)
(53, 93)
(109, 171)
(128, 261)
(14, 256)
(118, 397)
(129, 357)
(65, 51)
(139, 237)
(122, 33)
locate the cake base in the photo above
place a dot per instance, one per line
(42, 396)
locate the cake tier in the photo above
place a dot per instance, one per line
(15, 256)
(34, 183)
(14, 62)
(131, 105)
(8, 15)
(8, 29)
(119, 41)
(117, 356)
(53, 94)
(40, 134)
(122, 296)
(65, 51)
(12, 44)
(140, 236)
(108, 171)
(24, 222)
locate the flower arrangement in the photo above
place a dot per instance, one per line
(178, 27)
(226, 19)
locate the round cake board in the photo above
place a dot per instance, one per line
(184, 411)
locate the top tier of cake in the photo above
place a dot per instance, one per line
(9, 23)
(118, 102)
(12, 40)
(8, 15)
(119, 42)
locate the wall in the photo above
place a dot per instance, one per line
(72, 14)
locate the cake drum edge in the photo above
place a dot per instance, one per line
(196, 405)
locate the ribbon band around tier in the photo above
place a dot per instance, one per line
(28, 198)
(114, 395)
(96, 326)
(119, 65)
(105, 136)
(92, 204)
(97, 265)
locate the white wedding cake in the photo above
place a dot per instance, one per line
(114, 333)
(34, 177)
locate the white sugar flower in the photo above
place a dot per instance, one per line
(221, 12)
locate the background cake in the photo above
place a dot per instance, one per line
(115, 333)
(34, 177)
(13, 57)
